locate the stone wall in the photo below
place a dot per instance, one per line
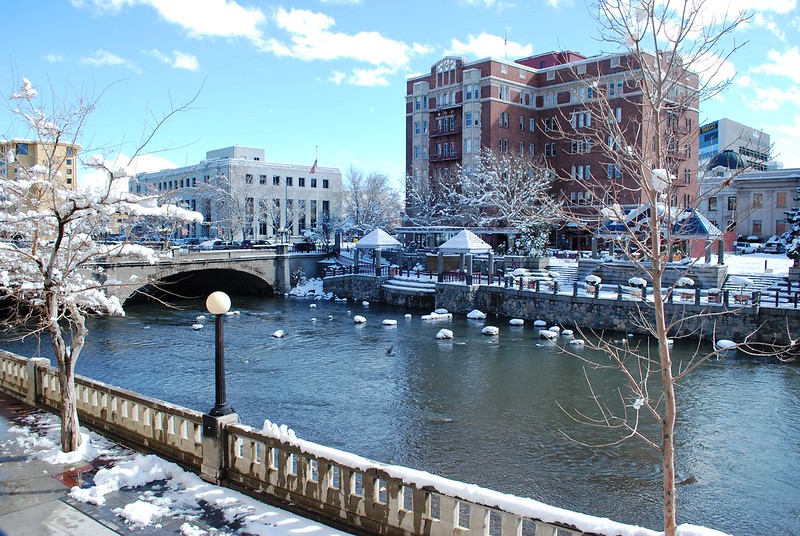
(764, 324)
(358, 287)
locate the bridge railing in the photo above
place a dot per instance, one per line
(325, 483)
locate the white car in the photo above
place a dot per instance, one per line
(743, 248)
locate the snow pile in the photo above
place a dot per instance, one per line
(475, 314)
(311, 288)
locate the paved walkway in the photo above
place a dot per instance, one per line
(35, 501)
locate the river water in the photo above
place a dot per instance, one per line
(484, 410)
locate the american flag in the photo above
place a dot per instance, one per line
(314, 167)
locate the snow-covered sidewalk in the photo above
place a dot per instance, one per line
(110, 486)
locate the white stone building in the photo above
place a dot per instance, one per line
(241, 196)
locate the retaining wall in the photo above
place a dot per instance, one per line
(760, 324)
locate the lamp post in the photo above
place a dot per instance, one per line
(218, 303)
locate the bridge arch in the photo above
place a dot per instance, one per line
(199, 283)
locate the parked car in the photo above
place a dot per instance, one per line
(256, 244)
(775, 244)
(208, 244)
(223, 244)
(743, 248)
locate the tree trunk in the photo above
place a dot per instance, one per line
(668, 422)
(70, 427)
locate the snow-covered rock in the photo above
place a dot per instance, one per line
(365, 303)
(566, 333)
(197, 326)
(441, 311)
(358, 319)
(408, 315)
(437, 316)
(555, 329)
(389, 322)
(278, 334)
(547, 334)
(539, 324)
(577, 342)
(475, 314)
(444, 334)
(516, 322)
(490, 330)
(200, 318)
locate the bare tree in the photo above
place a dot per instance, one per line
(672, 51)
(369, 201)
(50, 281)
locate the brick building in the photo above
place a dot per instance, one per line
(580, 114)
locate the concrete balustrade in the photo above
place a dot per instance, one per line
(323, 483)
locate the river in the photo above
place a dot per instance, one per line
(484, 410)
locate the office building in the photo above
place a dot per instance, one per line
(242, 196)
(19, 156)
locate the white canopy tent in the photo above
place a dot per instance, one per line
(465, 242)
(378, 239)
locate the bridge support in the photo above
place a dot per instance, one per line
(283, 282)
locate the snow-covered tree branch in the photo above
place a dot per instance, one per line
(50, 282)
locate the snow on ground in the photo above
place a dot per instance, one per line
(168, 492)
(756, 263)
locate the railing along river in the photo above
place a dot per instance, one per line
(337, 486)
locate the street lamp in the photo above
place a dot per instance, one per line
(218, 303)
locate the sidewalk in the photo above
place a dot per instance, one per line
(35, 496)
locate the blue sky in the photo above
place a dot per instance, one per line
(330, 74)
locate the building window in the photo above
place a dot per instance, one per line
(757, 227)
(468, 146)
(69, 161)
(531, 124)
(531, 149)
(618, 115)
(325, 184)
(416, 152)
(468, 119)
(780, 226)
(712, 204)
(417, 103)
(248, 178)
(301, 181)
(313, 182)
(732, 203)
(521, 122)
(69, 151)
(521, 148)
(615, 61)
(288, 181)
(416, 127)
(22, 148)
(276, 180)
(550, 124)
(425, 127)
(262, 179)
(780, 201)
(581, 69)
(550, 149)
(551, 75)
(587, 172)
(758, 200)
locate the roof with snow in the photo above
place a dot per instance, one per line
(377, 239)
(692, 224)
(465, 242)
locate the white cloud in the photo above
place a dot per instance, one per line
(784, 138)
(783, 64)
(200, 18)
(54, 58)
(485, 45)
(104, 58)
(95, 179)
(311, 37)
(769, 24)
(773, 98)
(178, 60)
(337, 77)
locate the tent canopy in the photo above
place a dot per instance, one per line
(378, 239)
(465, 242)
(692, 224)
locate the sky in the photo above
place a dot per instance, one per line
(326, 79)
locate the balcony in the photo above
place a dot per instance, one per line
(456, 155)
(445, 132)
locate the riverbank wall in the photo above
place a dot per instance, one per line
(322, 483)
(707, 321)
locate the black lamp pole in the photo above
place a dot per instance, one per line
(221, 406)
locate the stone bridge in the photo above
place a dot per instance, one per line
(195, 274)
